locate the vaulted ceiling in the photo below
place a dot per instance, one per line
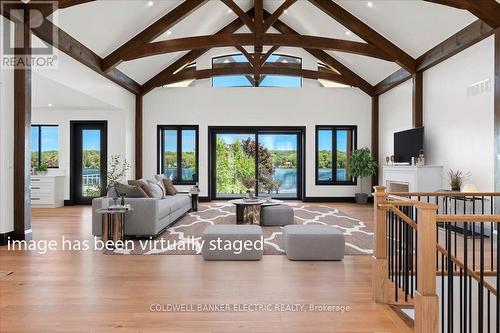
(364, 41)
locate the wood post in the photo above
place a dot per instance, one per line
(375, 136)
(138, 136)
(379, 266)
(426, 299)
(22, 130)
(418, 103)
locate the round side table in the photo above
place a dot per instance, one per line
(113, 223)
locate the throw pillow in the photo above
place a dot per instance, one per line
(156, 189)
(130, 191)
(159, 179)
(143, 185)
(169, 186)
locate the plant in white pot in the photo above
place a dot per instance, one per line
(362, 165)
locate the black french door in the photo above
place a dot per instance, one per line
(264, 160)
(88, 160)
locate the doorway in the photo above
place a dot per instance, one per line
(88, 153)
(264, 160)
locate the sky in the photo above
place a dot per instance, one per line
(50, 138)
(325, 140)
(270, 141)
(91, 139)
(188, 140)
(268, 81)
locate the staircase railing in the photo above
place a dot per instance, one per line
(443, 264)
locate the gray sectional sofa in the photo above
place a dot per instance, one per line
(149, 216)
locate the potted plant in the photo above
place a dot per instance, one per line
(456, 179)
(362, 165)
(41, 169)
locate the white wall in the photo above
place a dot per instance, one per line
(6, 148)
(72, 74)
(117, 134)
(205, 106)
(458, 123)
(395, 109)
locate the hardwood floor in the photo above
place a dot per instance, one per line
(92, 292)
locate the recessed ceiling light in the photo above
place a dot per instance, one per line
(150, 3)
(348, 33)
(369, 4)
(286, 12)
(229, 11)
(169, 32)
(50, 104)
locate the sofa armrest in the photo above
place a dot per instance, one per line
(137, 222)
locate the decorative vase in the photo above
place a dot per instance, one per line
(361, 198)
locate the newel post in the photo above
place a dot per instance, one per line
(426, 299)
(379, 266)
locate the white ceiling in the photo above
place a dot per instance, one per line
(413, 25)
(57, 96)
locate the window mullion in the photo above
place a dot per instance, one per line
(179, 155)
(334, 155)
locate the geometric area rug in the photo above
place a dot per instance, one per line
(358, 236)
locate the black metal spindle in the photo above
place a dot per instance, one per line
(480, 298)
(465, 276)
(443, 292)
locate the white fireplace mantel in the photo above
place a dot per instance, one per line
(406, 178)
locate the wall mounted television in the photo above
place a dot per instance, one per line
(408, 144)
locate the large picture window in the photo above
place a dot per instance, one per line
(264, 160)
(178, 153)
(269, 80)
(45, 146)
(334, 145)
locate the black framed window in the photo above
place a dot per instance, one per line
(45, 146)
(268, 80)
(334, 145)
(178, 153)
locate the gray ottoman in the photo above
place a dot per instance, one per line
(277, 215)
(245, 242)
(313, 242)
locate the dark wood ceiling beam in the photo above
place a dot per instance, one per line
(487, 11)
(259, 25)
(240, 13)
(47, 8)
(277, 13)
(242, 69)
(365, 32)
(470, 35)
(82, 54)
(392, 81)
(189, 57)
(247, 55)
(212, 41)
(153, 31)
(62, 4)
(324, 57)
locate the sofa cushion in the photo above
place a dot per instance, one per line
(156, 189)
(169, 186)
(160, 179)
(130, 191)
(143, 185)
(164, 208)
(177, 201)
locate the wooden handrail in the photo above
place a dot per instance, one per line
(471, 273)
(445, 194)
(404, 217)
(468, 218)
(426, 302)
